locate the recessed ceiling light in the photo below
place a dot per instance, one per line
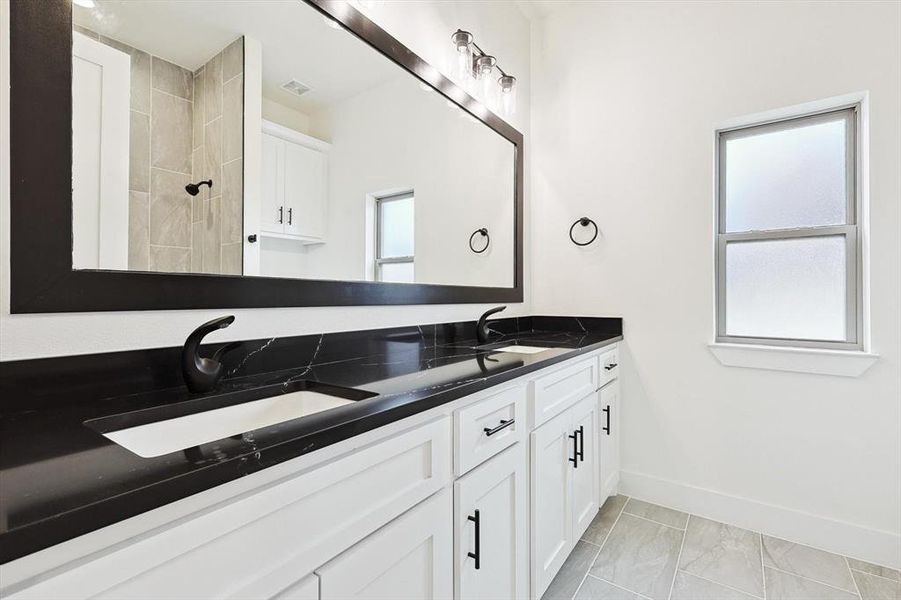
(84, 3)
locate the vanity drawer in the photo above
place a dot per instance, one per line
(609, 369)
(555, 392)
(488, 426)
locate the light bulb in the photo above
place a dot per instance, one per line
(463, 46)
(507, 85)
(84, 3)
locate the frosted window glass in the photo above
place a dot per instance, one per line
(397, 272)
(789, 288)
(396, 235)
(789, 178)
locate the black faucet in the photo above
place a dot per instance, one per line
(202, 374)
(482, 326)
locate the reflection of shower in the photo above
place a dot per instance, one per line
(194, 188)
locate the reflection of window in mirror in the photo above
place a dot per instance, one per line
(394, 231)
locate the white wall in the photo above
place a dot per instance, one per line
(397, 137)
(625, 100)
(425, 27)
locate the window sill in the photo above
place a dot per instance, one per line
(843, 363)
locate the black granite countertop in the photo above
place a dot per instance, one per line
(60, 478)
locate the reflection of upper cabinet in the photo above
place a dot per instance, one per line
(294, 186)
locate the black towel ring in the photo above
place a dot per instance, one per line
(584, 221)
(484, 232)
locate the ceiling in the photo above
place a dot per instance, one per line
(297, 43)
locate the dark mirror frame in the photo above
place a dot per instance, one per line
(41, 275)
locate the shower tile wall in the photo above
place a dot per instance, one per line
(185, 127)
(218, 132)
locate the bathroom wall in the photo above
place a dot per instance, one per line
(159, 165)
(181, 131)
(425, 27)
(626, 98)
(218, 151)
(398, 150)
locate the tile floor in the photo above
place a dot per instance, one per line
(634, 550)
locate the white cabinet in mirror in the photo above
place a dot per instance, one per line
(209, 138)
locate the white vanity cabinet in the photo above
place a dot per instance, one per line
(608, 438)
(564, 488)
(469, 500)
(294, 173)
(407, 559)
(491, 539)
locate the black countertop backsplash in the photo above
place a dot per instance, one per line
(60, 479)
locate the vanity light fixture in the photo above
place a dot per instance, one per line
(474, 62)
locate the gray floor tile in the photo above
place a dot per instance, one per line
(603, 522)
(873, 587)
(570, 575)
(807, 562)
(723, 554)
(597, 589)
(785, 586)
(859, 565)
(689, 587)
(655, 512)
(640, 556)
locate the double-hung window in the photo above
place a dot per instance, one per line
(787, 252)
(394, 238)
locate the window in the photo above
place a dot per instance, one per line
(787, 253)
(394, 226)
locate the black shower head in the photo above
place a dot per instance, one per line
(194, 188)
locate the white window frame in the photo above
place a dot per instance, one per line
(850, 230)
(380, 260)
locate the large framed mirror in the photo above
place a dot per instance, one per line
(248, 153)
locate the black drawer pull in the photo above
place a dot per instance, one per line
(581, 452)
(574, 436)
(504, 424)
(475, 518)
(607, 426)
(610, 367)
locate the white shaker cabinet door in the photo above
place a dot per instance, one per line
(608, 429)
(272, 215)
(552, 450)
(305, 172)
(410, 558)
(585, 474)
(491, 542)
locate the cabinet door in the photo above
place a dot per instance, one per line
(304, 191)
(490, 521)
(608, 429)
(409, 558)
(273, 185)
(551, 516)
(586, 474)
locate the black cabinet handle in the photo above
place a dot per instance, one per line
(504, 424)
(575, 459)
(290, 218)
(281, 214)
(476, 518)
(610, 367)
(581, 453)
(607, 426)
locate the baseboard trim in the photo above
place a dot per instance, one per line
(871, 545)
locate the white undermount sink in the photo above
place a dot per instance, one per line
(517, 349)
(163, 436)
